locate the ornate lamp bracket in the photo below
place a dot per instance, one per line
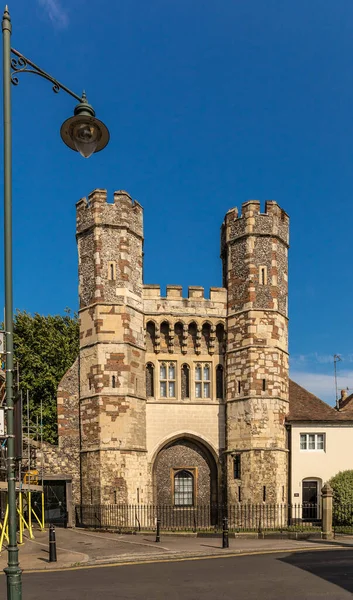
(22, 64)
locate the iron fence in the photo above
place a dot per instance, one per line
(241, 517)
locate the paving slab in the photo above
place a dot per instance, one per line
(77, 547)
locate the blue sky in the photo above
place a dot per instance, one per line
(208, 104)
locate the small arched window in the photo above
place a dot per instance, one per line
(185, 381)
(183, 488)
(113, 381)
(150, 380)
(219, 381)
(112, 271)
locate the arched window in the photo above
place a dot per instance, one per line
(149, 380)
(113, 381)
(219, 381)
(185, 381)
(183, 488)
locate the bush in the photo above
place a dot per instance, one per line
(342, 485)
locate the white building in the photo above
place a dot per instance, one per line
(320, 443)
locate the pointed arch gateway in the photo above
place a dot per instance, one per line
(185, 473)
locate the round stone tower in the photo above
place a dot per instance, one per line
(255, 272)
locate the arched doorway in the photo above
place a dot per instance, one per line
(185, 474)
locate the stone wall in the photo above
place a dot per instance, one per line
(112, 349)
(63, 459)
(185, 454)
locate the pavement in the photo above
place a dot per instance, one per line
(79, 548)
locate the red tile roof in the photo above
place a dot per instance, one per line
(305, 406)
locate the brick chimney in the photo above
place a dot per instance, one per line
(342, 399)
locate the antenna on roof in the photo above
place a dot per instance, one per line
(336, 359)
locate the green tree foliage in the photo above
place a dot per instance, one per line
(342, 485)
(45, 347)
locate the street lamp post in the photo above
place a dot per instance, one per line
(86, 135)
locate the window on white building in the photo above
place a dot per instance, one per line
(167, 375)
(312, 441)
(202, 381)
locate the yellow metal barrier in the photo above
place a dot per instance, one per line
(25, 511)
(4, 528)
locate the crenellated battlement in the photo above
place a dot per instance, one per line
(175, 303)
(273, 222)
(176, 291)
(123, 212)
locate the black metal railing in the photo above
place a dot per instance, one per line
(204, 517)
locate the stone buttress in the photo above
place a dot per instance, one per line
(112, 351)
(255, 272)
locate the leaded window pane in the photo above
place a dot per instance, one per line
(171, 389)
(303, 441)
(183, 488)
(163, 389)
(163, 372)
(198, 374)
(171, 373)
(206, 390)
(198, 389)
(206, 373)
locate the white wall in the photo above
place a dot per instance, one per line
(320, 465)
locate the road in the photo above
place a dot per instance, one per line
(305, 575)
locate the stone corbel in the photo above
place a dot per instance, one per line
(224, 343)
(171, 339)
(157, 340)
(212, 340)
(198, 340)
(184, 347)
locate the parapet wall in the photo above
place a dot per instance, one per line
(273, 222)
(175, 303)
(124, 212)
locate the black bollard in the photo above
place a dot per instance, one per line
(52, 544)
(158, 533)
(225, 538)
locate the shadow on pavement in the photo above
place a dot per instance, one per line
(335, 567)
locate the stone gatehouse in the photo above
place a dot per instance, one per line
(176, 400)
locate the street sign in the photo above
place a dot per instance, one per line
(2, 421)
(2, 342)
